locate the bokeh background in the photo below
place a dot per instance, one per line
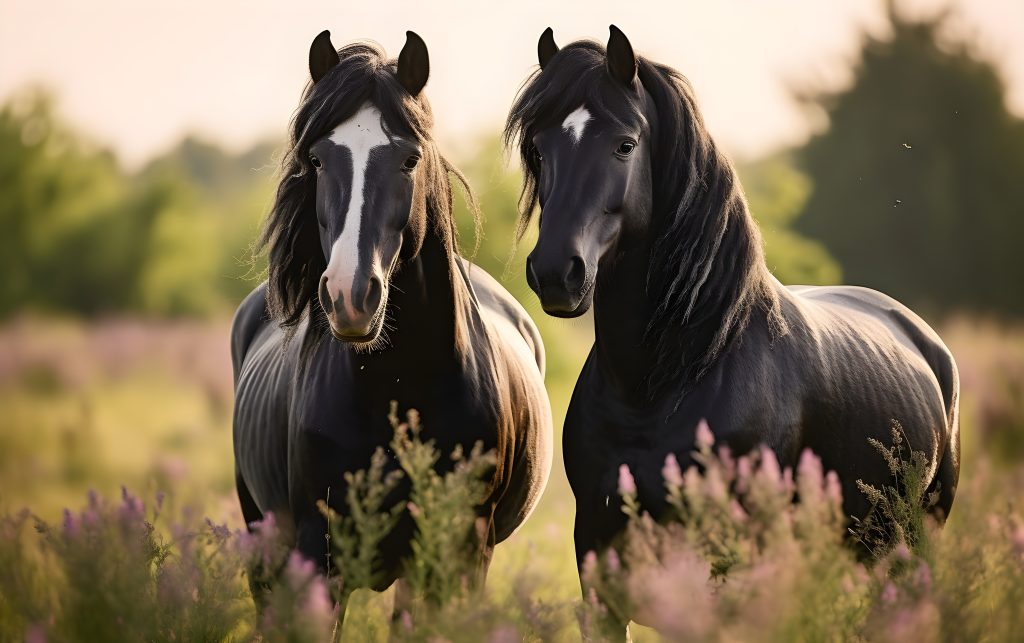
(880, 144)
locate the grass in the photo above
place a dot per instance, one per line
(124, 403)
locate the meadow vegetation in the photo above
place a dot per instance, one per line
(127, 402)
(735, 559)
(118, 519)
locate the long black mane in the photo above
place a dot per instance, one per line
(290, 236)
(707, 272)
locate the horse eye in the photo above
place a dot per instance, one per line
(537, 156)
(626, 148)
(314, 160)
(411, 163)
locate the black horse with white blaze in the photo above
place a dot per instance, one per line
(643, 216)
(367, 301)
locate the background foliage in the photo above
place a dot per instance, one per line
(117, 286)
(916, 182)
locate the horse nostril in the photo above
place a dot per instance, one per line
(531, 276)
(325, 297)
(576, 275)
(373, 295)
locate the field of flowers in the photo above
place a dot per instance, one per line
(87, 409)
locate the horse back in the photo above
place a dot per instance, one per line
(905, 326)
(880, 362)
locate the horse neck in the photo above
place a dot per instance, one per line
(647, 345)
(621, 314)
(427, 303)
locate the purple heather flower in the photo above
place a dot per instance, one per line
(704, 438)
(889, 594)
(589, 563)
(612, 558)
(671, 472)
(627, 485)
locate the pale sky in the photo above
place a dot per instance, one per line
(137, 75)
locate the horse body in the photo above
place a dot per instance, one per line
(368, 302)
(643, 218)
(303, 420)
(852, 361)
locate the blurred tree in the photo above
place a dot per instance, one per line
(777, 192)
(79, 235)
(917, 183)
(54, 185)
(202, 258)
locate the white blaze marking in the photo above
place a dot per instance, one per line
(360, 134)
(575, 123)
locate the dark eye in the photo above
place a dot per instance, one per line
(411, 163)
(626, 148)
(537, 156)
(314, 160)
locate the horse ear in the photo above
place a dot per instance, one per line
(413, 64)
(546, 47)
(322, 56)
(621, 60)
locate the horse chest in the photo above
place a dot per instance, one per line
(340, 419)
(604, 432)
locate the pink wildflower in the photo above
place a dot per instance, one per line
(671, 472)
(901, 552)
(614, 564)
(704, 438)
(589, 563)
(299, 570)
(1017, 539)
(504, 634)
(627, 485)
(35, 633)
(736, 512)
(770, 467)
(809, 469)
(787, 480)
(833, 489)
(923, 577)
(744, 470)
(889, 594)
(659, 590)
(728, 463)
(715, 487)
(318, 600)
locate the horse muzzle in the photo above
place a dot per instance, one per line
(356, 315)
(564, 289)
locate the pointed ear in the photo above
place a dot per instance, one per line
(546, 47)
(621, 60)
(322, 56)
(413, 64)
